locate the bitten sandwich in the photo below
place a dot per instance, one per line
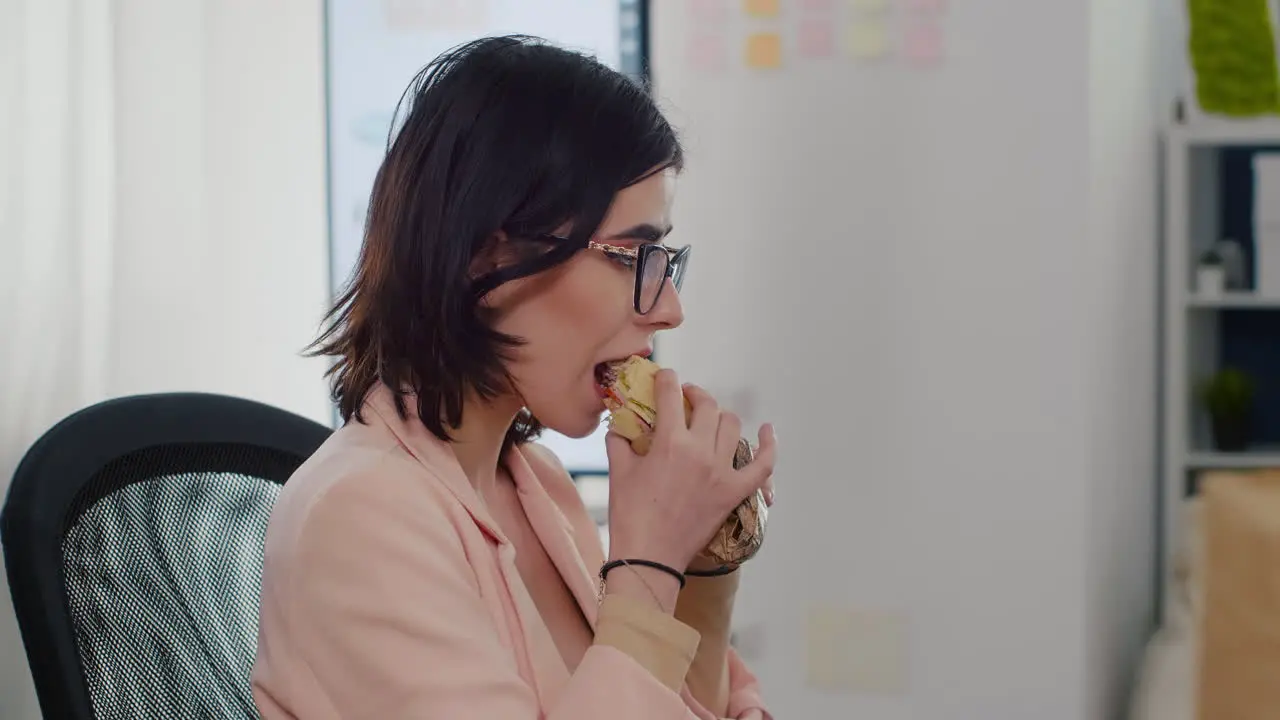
(627, 387)
(628, 393)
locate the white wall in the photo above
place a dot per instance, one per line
(1130, 96)
(1173, 73)
(221, 278)
(220, 267)
(939, 284)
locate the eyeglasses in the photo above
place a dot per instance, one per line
(653, 265)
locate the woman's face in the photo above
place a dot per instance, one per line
(582, 313)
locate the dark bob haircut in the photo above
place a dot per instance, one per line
(501, 137)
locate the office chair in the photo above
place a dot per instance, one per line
(133, 535)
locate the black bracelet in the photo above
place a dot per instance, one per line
(614, 564)
(715, 572)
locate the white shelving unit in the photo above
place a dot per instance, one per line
(1216, 133)
(1190, 333)
(1209, 460)
(1234, 301)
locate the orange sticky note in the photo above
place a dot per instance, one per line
(868, 40)
(764, 51)
(761, 8)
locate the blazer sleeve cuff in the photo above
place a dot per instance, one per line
(657, 641)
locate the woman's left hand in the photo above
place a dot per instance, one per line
(702, 563)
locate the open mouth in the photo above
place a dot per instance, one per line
(606, 374)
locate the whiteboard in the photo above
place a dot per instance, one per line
(375, 47)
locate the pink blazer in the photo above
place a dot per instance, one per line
(389, 592)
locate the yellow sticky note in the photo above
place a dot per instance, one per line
(764, 50)
(868, 40)
(761, 8)
(870, 6)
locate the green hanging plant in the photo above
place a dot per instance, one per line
(1233, 54)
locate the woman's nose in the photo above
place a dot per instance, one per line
(667, 312)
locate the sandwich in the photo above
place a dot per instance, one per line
(626, 388)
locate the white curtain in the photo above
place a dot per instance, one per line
(56, 238)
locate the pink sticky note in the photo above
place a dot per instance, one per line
(817, 6)
(929, 6)
(816, 39)
(708, 12)
(923, 43)
(706, 52)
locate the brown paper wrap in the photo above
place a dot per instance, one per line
(742, 534)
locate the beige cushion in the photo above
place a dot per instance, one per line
(1239, 676)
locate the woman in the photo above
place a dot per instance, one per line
(430, 561)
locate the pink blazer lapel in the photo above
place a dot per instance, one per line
(438, 458)
(555, 532)
(549, 673)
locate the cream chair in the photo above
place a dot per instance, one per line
(1217, 656)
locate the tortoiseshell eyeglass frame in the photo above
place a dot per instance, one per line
(675, 259)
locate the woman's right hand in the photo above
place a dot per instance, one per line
(666, 506)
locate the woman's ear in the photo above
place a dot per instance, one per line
(490, 256)
(497, 253)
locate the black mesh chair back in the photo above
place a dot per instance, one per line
(133, 539)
